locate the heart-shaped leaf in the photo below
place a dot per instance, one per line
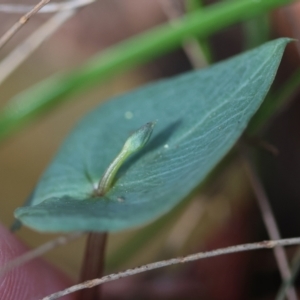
(199, 116)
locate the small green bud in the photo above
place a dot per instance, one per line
(139, 138)
(135, 142)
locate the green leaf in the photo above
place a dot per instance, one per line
(199, 116)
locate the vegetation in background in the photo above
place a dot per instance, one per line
(198, 116)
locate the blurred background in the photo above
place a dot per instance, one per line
(224, 212)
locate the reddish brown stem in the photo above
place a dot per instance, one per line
(93, 264)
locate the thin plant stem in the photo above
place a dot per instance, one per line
(145, 236)
(48, 8)
(16, 57)
(164, 263)
(189, 218)
(202, 44)
(270, 223)
(39, 251)
(46, 95)
(184, 226)
(22, 21)
(190, 46)
(291, 17)
(93, 264)
(288, 283)
(274, 103)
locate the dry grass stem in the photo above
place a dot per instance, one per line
(185, 225)
(39, 251)
(22, 21)
(16, 57)
(287, 283)
(271, 225)
(291, 17)
(173, 261)
(49, 8)
(191, 47)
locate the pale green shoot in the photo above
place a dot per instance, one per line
(135, 142)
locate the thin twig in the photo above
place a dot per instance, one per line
(173, 261)
(270, 223)
(49, 8)
(28, 256)
(190, 46)
(22, 21)
(25, 49)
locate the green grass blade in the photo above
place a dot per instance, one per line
(128, 54)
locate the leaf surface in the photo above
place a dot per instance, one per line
(199, 116)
